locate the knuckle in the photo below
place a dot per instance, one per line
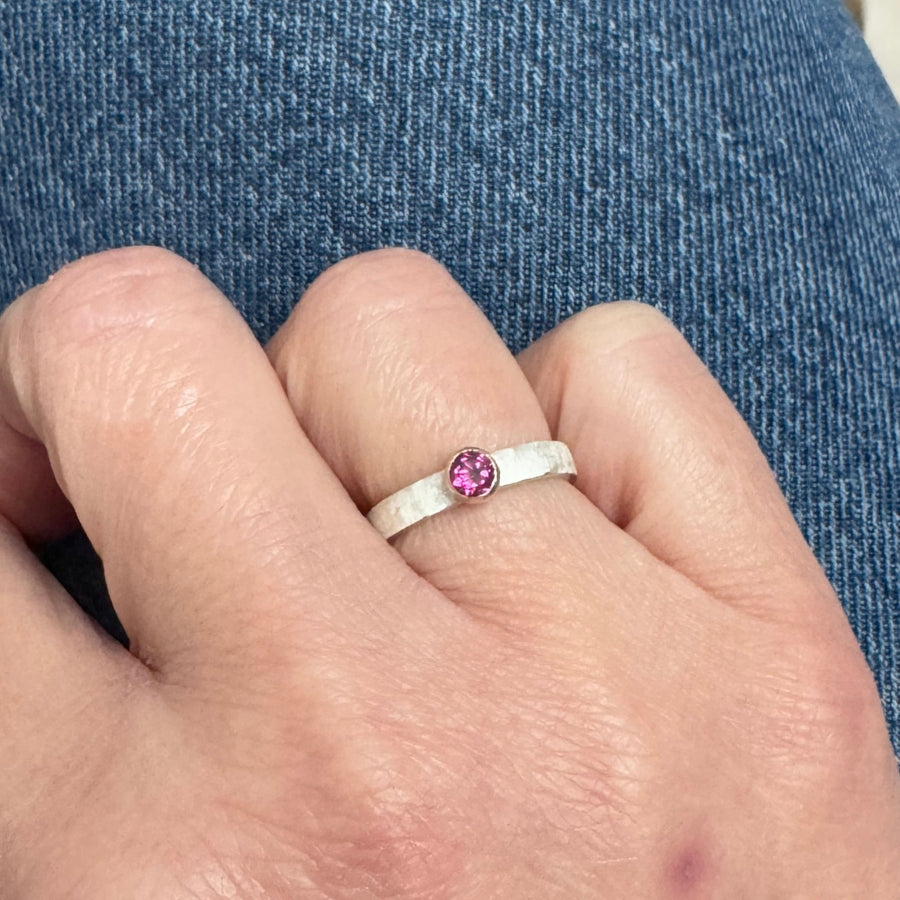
(393, 277)
(823, 718)
(397, 845)
(361, 298)
(624, 328)
(627, 347)
(115, 292)
(852, 706)
(391, 262)
(628, 350)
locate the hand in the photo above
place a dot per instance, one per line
(638, 685)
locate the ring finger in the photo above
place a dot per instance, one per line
(391, 368)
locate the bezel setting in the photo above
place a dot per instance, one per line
(485, 489)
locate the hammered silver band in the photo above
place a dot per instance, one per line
(434, 493)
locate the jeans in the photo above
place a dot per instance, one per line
(735, 163)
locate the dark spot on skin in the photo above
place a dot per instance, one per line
(688, 871)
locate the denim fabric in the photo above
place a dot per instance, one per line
(735, 163)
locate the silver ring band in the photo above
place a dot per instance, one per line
(472, 475)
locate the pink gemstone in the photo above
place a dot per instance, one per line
(473, 473)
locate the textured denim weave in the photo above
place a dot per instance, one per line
(735, 163)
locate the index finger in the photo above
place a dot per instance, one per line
(169, 432)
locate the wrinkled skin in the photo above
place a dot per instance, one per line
(636, 685)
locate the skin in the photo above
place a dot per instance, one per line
(639, 685)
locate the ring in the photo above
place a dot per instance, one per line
(471, 476)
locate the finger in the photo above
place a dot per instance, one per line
(391, 368)
(30, 498)
(171, 436)
(664, 453)
(60, 677)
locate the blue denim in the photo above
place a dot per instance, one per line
(735, 163)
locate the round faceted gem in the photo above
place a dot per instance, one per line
(473, 473)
